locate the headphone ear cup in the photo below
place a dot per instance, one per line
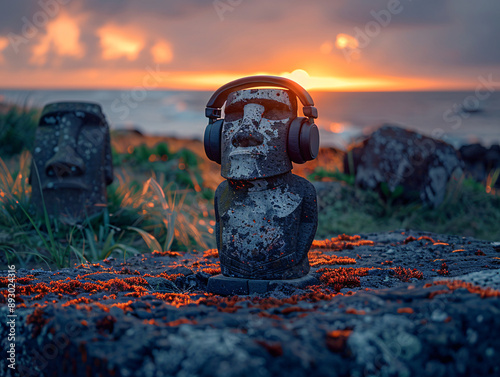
(212, 140)
(309, 141)
(293, 143)
(303, 140)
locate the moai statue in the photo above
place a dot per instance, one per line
(266, 217)
(72, 162)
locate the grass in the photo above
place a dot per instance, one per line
(160, 213)
(17, 129)
(469, 209)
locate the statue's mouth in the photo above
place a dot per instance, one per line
(65, 184)
(247, 151)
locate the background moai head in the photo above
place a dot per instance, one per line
(72, 162)
(255, 132)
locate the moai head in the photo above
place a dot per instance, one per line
(254, 134)
(72, 162)
(261, 133)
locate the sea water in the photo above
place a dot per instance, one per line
(457, 117)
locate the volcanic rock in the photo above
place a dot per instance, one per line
(405, 164)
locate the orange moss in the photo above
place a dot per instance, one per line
(125, 306)
(274, 348)
(456, 284)
(293, 309)
(175, 299)
(106, 324)
(164, 275)
(166, 253)
(37, 320)
(212, 271)
(272, 316)
(354, 311)
(318, 258)
(79, 300)
(444, 269)
(411, 239)
(341, 277)
(405, 274)
(211, 253)
(406, 310)
(181, 321)
(336, 340)
(340, 242)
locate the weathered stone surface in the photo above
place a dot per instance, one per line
(396, 159)
(72, 162)
(266, 217)
(225, 285)
(384, 327)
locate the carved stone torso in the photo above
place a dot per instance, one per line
(259, 225)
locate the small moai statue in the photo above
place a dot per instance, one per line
(72, 162)
(266, 217)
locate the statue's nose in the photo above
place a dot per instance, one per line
(65, 163)
(247, 135)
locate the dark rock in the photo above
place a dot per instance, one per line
(161, 284)
(403, 164)
(472, 152)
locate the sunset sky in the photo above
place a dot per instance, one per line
(202, 44)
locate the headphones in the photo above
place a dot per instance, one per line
(303, 134)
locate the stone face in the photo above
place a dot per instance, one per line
(255, 132)
(72, 162)
(266, 217)
(396, 158)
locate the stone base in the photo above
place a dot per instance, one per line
(225, 285)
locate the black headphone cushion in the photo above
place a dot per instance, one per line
(212, 140)
(309, 141)
(303, 140)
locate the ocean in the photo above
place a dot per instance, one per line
(457, 117)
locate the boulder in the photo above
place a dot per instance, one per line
(405, 164)
(480, 161)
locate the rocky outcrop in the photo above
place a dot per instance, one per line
(480, 161)
(401, 163)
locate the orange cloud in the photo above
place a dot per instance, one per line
(162, 52)
(118, 42)
(4, 42)
(63, 36)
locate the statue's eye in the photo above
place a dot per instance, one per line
(49, 121)
(233, 113)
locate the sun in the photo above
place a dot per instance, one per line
(300, 76)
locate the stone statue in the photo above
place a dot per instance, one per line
(266, 217)
(72, 162)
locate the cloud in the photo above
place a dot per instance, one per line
(118, 41)
(162, 52)
(425, 37)
(4, 42)
(62, 38)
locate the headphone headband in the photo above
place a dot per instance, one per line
(214, 105)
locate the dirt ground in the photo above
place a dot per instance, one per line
(401, 303)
